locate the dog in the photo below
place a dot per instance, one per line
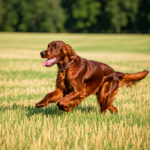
(77, 78)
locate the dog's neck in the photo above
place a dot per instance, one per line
(63, 66)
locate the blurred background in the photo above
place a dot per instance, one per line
(75, 16)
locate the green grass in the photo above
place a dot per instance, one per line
(23, 82)
(80, 42)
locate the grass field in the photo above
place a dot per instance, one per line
(23, 82)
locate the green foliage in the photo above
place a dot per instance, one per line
(85, 13)
(119, 16)
(107, 16)
(41, 16)
(1, 11)
(122, 10)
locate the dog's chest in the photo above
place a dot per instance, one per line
(67, 84)
(64, 83)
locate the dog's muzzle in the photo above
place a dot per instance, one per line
(42, 54)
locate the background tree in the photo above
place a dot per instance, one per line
(81, 14)
(122, 12)
(35, 15)
(84, 13)
(91, 16)
(144, 16)
(1, 11)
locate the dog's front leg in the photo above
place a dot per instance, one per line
(70, 101)
(52, 97)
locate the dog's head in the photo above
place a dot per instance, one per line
(57, 52)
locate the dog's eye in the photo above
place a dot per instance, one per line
(55, 47)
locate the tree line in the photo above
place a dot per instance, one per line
(76, 16)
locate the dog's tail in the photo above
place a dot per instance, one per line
(129, 79)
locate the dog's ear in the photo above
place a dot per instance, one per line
(69, 51)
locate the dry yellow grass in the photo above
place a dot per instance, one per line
(23, 82)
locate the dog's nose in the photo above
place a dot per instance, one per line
(42, 54)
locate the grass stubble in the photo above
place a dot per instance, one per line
(23, 82)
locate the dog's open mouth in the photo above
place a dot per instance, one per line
(49, 62)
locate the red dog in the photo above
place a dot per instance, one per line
(78, 78)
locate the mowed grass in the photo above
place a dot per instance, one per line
(23, 82)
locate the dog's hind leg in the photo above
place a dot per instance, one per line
(101, 96)
(106, 94)
(111, 94)
(112, 108)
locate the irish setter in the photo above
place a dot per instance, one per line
(78, 78)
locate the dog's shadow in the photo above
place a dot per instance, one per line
(51, 110)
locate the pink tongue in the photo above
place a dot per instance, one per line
(44, 63)
(49, 62)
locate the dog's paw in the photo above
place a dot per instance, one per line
(39, 105)
(115, 110)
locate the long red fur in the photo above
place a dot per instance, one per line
(81, 77)
(130, 79)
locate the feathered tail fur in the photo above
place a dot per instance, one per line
(129, 79)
